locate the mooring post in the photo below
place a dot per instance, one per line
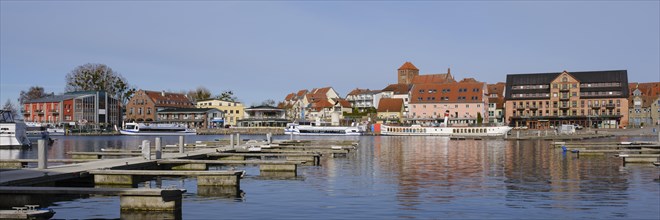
(159, 149)
(268, 137)
(43, 154)
(238, 139)
(181, 147)
(517, 134)
(146, 149)
(658, 137)
(538, 133)
(231, 141)
(291, 136)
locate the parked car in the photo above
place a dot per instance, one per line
(578, 127)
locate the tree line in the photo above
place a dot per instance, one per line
(95, 76)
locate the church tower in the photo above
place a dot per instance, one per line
(407, 72)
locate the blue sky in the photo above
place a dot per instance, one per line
(264, 50)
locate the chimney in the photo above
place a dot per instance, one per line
(162, 93)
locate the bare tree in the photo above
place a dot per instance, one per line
(9, 106)
(198, 94)
(34, 92)
(268, 102)
(94, 76)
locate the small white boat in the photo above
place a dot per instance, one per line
(12, 132)
(156, 129)
(56, 131)
(296, 129)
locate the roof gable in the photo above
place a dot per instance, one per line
(390, 105)
(408, 66)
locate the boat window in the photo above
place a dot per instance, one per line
(130, 126)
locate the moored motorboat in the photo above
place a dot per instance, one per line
(156, 129)
(12, 132)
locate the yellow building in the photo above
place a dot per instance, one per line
(234, 111)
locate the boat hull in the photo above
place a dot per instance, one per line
(13, 134)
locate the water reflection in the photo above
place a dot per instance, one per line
(413, 177)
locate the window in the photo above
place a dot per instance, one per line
(564, 79)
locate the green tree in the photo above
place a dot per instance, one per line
(479, 118)
(96, 76)
(34, 92)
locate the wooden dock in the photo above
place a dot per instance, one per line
(630, 152)
(130, 198)
(124, 171)
(204, 178)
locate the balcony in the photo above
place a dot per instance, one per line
(564, 106)
(595, 106)
(55, 112)
(610, 105)
(534, 107)
(564, 88)
(563, 98)
(519, 107)
(39, 112)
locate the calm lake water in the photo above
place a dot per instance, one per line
(410, 178)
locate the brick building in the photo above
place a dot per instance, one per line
(92, 108)
(591, 99)
(464, 102)
(144, 104)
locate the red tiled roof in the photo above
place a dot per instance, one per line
(358, 91)
(398, 88)
(433, 78)
(408, 66)
(344, 103)
(301, 93)
(170, 99)
(497, 88)
(321, 104)
(390, 105)
(323, 90)
(650, 88)
(467, 92)
(289, 97)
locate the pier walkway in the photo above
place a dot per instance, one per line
(32, 176)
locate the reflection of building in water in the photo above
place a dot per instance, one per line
(433, 169)
(538, 173)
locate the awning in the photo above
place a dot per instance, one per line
(217, 120)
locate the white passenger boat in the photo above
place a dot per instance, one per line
(322, 130)
(12, 132)
(417, 130)
(156, 129)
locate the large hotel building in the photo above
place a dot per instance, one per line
(596, 99)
